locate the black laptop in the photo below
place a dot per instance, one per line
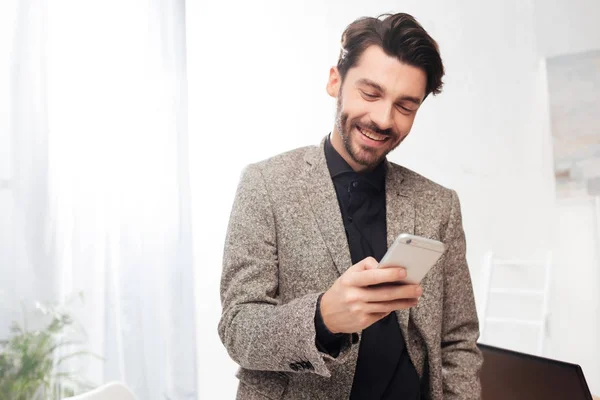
(512, 375)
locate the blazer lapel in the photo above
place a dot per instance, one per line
(323, 200)
(400, 218)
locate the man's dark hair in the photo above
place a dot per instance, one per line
(398, 35)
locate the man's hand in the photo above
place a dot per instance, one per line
(353, 303)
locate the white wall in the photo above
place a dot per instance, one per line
(574, 323)
(257, 73)
(8, 305)
(568, 27)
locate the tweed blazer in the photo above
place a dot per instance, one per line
(286, 244)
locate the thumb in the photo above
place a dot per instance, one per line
(367, 263)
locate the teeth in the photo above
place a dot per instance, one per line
(372, 135)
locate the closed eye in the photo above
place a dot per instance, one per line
(405, 109)
(369, 96)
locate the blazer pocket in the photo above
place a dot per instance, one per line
(271, 384)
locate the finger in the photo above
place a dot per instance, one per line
(377, 276)
(390, 306)
(391, 292)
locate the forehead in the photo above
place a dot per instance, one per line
(396, 77)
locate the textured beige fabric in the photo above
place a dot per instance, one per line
(286, 244)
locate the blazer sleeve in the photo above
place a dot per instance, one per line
(461, 359)
(257, 330)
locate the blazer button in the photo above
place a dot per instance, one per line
(306, 365)
(294, 366)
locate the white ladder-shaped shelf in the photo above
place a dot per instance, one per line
(490, 264)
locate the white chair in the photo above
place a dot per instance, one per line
(109, 391)
(542, 292)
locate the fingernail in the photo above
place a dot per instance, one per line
(419, 290)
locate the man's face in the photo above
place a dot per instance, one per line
(376, 107)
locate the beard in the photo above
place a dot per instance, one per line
(362, 155)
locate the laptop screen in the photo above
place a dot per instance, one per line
(511, 375)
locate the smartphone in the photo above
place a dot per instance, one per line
(416, 254)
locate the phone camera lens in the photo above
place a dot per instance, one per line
(408, 241)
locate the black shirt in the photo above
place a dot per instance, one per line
(383, 369)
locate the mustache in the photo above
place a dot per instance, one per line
(372, 127)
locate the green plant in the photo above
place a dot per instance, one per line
(32, 361)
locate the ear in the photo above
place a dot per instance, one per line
(334, 82)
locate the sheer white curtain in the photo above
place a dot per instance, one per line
(94, 193)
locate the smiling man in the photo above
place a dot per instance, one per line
(306, 312)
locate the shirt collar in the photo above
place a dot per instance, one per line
(338, 166)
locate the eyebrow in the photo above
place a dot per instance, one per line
(377, 86)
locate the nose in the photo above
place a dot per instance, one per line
(382, 115)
